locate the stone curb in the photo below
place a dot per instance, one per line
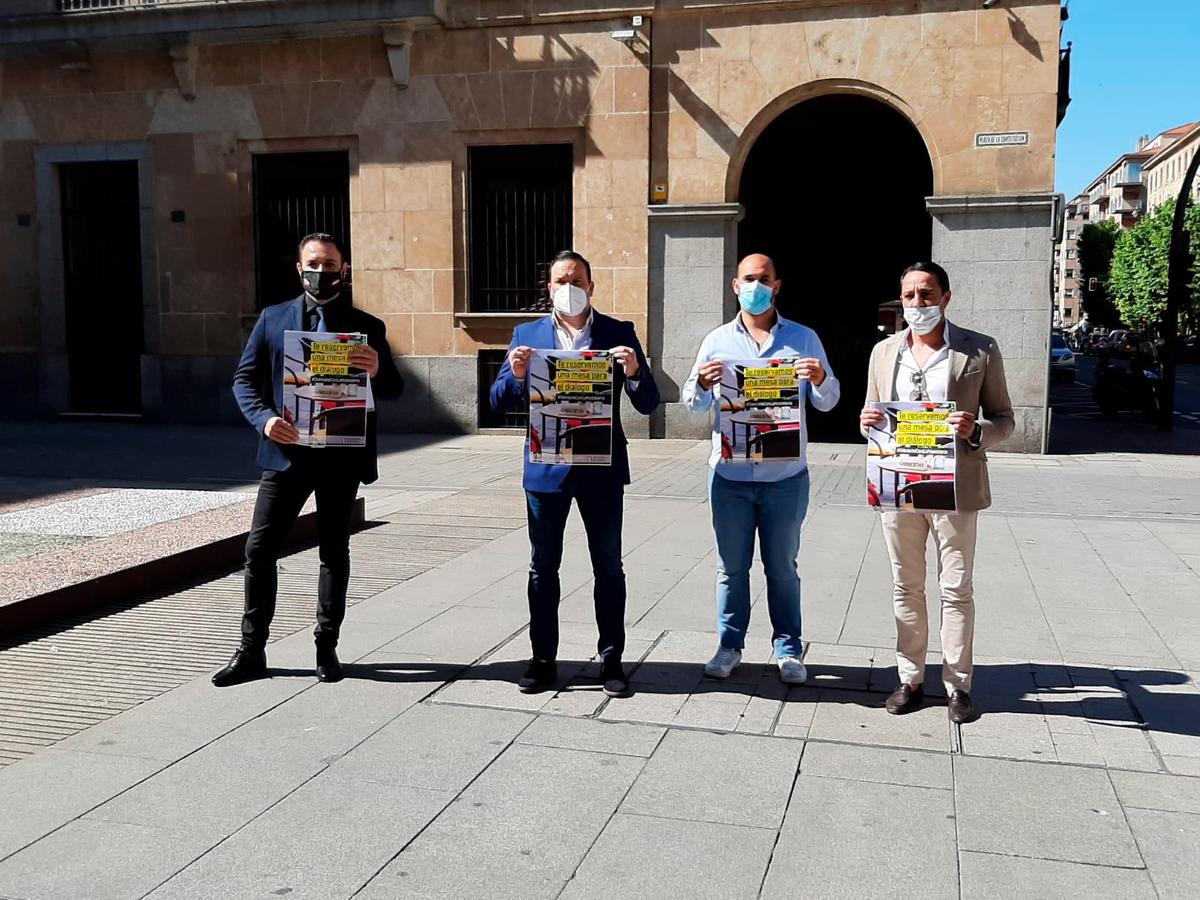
(154, 575)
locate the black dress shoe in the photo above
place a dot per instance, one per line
(329, 667)
(540, 676)
(905, 699)
(613, 676)
(961, 709)
(244, 665)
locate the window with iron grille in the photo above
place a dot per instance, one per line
(296, 194)
(519, 218)
(490, 362)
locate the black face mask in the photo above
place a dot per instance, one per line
(321, 286)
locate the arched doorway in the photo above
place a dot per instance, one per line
(834, 191)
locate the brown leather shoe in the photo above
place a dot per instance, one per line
(961, 708)
(905, 699)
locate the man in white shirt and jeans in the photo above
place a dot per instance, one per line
(937, 361)
(770, 498)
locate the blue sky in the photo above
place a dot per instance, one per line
(1135, 69)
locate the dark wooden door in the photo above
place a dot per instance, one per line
(102, 273)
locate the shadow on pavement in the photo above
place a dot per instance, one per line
(1120, 698)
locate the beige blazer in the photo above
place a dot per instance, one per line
(976, 385)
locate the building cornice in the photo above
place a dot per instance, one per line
(971, 203)
(731, 211)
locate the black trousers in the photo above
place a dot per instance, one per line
(281, 496)
(601, 508)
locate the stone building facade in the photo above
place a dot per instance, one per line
(845, 138)
(1165, 170)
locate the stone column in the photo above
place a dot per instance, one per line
(692, 259)
(998, 251)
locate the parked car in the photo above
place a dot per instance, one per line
(1062, 360)
(1128, 346)
(1091, 341)
(1110, 340)
(1188, 349)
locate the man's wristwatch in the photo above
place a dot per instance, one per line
(976, 436)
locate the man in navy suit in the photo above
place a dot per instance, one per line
(598, 491)
(291, 472)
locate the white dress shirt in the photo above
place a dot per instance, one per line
(581, 340)
(936, 369)
(733, 341)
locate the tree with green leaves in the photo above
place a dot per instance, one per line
(1191, 313)
(1137, 280)
(1094, 250)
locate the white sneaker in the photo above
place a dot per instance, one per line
(792, 671)
(723, 663)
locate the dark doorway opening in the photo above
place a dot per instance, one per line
(102, 284)
(834, 191)
(296, 194)
(520, 216)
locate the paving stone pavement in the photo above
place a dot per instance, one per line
(426, 774)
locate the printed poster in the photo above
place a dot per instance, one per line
(760, 411)
(323, 397)
(571, 407)
(911, 458)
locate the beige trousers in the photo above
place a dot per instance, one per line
(906, 535)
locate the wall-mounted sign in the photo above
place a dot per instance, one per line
(1002, 139)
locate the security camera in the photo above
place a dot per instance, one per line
(990, 4)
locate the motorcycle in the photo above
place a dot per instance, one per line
(1135, 385)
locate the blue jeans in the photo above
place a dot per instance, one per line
(776, 510)
(601, 507)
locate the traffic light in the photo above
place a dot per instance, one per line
(1093, 283)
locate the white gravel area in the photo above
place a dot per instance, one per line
(114, 512)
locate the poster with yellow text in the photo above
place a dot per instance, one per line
(759, 416)
(571, 407)
(323, 395)
(911, 457)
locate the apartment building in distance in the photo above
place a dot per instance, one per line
(1164, 171)
(1122, 192)
(1118, 194)
(1068, 286)
(159, 160)
(1134, 185)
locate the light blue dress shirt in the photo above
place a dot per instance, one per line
(732, 341)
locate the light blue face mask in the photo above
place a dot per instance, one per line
(755, 297)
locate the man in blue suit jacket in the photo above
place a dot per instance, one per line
(291, 472)
(598, 491)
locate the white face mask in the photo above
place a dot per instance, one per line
(569, 300)
(923, 319)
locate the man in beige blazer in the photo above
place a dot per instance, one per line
(933, 359)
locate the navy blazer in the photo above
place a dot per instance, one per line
(258, 382)
(508, 392)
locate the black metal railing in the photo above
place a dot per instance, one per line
(520, 217)
(80, 5)
(88, 5)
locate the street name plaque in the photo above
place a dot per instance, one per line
(1002, 139)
